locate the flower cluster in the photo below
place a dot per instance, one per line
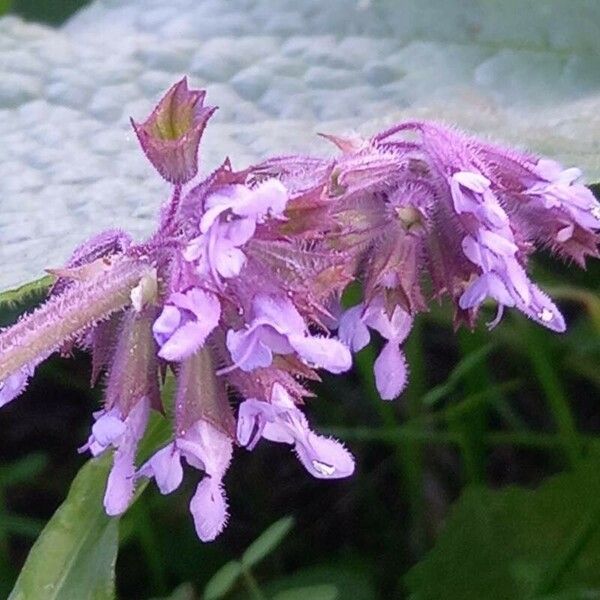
(239, 290)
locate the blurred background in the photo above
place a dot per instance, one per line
(483, 411)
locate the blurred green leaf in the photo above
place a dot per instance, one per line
(22, 470)
(5, 6)
(465, 366)
(348, 580)
(47, 11)
(267, 541)
(183, 592)
(18, 525)
(314, 592)
(519, 543)
(74, 557)
(222, 581)
(12, 299)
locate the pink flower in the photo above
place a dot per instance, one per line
(281, 421)
(243, 271)
(557, 188)
(390, 366)
(493, 249)
(229, 222)
(111, 429)
(185, 322)
(208, 449)
(278, 328)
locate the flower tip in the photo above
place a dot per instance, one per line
(390, 371)
(171, 134)
(325, 458)
(209, 509)
(13, 385)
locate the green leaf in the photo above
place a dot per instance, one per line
(183, 592)
(347, 579)
(222, 581)
(24, 294)
(462, 369)
(22, 470)
(74, 557)
(519, 543)
(5, 6)
(314, 592)
(267, 541)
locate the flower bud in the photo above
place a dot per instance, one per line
(171, 134)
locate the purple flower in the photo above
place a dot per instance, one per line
(206, 448)
(229, 221)
(557, 188)
(390, 366)
(171, 134)
(247, 266)
(278, 328)
(111, 429)
(185, 322)
(280, 421)
(493, 249)
(14, 384)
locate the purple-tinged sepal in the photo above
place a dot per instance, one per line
(171, 134)
(204, 434)
(134, 374)
(132, 389)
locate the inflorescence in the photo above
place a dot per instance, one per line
(238, 292)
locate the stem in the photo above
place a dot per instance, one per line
(252, 585)
(61, 317)
(172, 208)
(412, 452)
(408, 126)
(545, 370)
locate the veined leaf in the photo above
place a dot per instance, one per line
(13, 299)
(518, 544)
(74, 557)
(526, 73)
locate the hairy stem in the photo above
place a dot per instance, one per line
(43, 331)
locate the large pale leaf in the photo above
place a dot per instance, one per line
(526, 71)
(74, 557)
(518, 544)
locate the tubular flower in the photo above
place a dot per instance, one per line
(237, 293)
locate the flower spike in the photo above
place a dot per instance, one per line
(237, 293)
